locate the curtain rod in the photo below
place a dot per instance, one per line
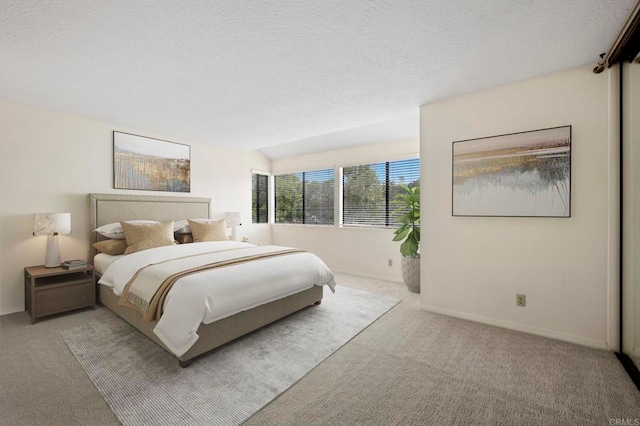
(631, 25)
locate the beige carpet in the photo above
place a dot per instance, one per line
(409, 367)
(420, 368)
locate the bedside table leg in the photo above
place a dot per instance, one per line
(33, 300)
(95, 288)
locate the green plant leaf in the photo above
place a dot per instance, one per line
(405, 198)
(407, 210)
(399, 210)
(407, 218)
(409, 247)
(401, 233)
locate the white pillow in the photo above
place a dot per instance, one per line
(115, 231)
(181, 226)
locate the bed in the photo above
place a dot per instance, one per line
(110, 208)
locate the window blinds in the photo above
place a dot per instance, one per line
(318, 197)
(260, 198)
(368, 191)
(305, 197)
(288, 198)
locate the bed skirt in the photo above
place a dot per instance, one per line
(224, 330)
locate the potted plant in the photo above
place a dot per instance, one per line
(408, 209)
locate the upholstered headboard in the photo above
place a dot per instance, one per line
(109, 208)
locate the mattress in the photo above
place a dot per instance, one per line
(101, 262)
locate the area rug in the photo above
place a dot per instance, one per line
(144, 385)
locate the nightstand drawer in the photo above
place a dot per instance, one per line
(62, 305)
(43, 294)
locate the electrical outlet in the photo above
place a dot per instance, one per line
(390, 262)
(521, 300)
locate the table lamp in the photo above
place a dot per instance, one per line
(233, 220)
(52, 224)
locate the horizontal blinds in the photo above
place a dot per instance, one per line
(363, 191)
(288, 198)
(368, 194)
(260, 198)
(406, 172)
(369, 190)
(305, 197)
(318, 197)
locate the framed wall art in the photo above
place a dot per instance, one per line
(150, 164)
(525, 174)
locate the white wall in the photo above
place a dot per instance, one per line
(631, 212)
(472, 267)
(353, 250)
(49, 162)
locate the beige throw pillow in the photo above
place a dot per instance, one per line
(112, 247)
(147, 235)
(208, 231)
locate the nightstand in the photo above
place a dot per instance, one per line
(49, 291)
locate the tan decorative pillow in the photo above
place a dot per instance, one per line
(112, 247)
(208, 231)
(144, 236)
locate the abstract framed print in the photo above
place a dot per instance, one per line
(525, 174)
(150, 164)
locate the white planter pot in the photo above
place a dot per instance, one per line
(410, 267)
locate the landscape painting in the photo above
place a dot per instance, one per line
(150, 164)
(524, 174)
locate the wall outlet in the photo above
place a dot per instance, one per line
(390, 262)
(521, 300)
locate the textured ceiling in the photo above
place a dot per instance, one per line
(250, 75)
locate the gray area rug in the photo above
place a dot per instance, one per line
(144, 385)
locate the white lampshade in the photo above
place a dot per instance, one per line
(51, 223)
(233, 218)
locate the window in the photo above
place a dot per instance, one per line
(368, 191)
(318, 197)
(305, 197)
(259, 198)
(288, 198)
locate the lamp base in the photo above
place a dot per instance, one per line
(52, 258)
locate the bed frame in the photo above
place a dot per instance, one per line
(109, 208)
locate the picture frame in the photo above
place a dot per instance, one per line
(524, 174)
(149, 164)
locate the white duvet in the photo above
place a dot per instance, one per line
(211, 295)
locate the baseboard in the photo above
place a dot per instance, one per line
(521, 327)
(361, 274)
(630, 367)
(13, 310)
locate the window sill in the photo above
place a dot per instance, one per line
(304, 224)
(368, 228)
(376, 228)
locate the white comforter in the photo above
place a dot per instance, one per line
(211, 295)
